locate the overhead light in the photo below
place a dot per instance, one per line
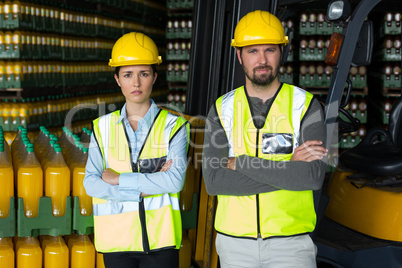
(338, 11)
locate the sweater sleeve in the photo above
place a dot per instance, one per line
(291, 175)
(218, 179)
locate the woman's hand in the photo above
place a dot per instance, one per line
(110, 176)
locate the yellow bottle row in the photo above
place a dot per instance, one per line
(26, 68)
(25, 40)
(43, 168)
(29, 12)
(54, 110)
(75, 251)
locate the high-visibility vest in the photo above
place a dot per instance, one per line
(154, 223)
(277, 213)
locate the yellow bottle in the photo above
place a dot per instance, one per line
(17, 242)
(16, 9)
(7, 41)
(55, 252)
(41, 144)
(44, 161)
(6, 183)
(99, 260)
(83, 253)
(44, 240)
(6, 147)
(6, 254)
(70, 240)
(5, 137)
(17, 140)
(57, 183)
(73, 158)
(16, 40)
(78, 185)
(6, 114)
(15, 112)
(24, 112)
(29, 253)
(19, 157)
(30, 183)
(2, 66)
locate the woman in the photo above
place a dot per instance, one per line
(136, 166)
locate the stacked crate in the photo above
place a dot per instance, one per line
(178, 34)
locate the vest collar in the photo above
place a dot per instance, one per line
(268, 108)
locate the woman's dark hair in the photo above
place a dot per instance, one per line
(117, 69)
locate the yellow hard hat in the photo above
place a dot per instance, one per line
(134, 49)
(257, 28)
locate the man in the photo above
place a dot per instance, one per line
(263, 155)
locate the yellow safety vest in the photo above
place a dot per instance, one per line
(153, 223)
(278, 213)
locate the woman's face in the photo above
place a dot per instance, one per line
(136, 82)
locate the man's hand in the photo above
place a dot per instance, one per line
(309, 151)
(110, 176)
(231, 163)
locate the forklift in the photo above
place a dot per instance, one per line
(361, 226)
(359, 215)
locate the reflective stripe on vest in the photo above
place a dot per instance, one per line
(278, 213)
(153, 223)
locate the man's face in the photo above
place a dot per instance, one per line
(260, 63)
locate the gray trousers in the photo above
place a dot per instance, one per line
(295, 251)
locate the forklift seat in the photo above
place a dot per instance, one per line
(380, 151)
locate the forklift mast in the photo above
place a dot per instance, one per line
(214, 69)
(341, 68)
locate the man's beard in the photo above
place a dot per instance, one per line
(264, 79)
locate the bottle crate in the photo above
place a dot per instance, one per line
(45, 223)
(81, 224)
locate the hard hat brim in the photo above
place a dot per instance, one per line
(284, 42)
(135, 62)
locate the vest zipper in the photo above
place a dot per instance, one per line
(145, 242)
(258, 196)
(141, 207)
